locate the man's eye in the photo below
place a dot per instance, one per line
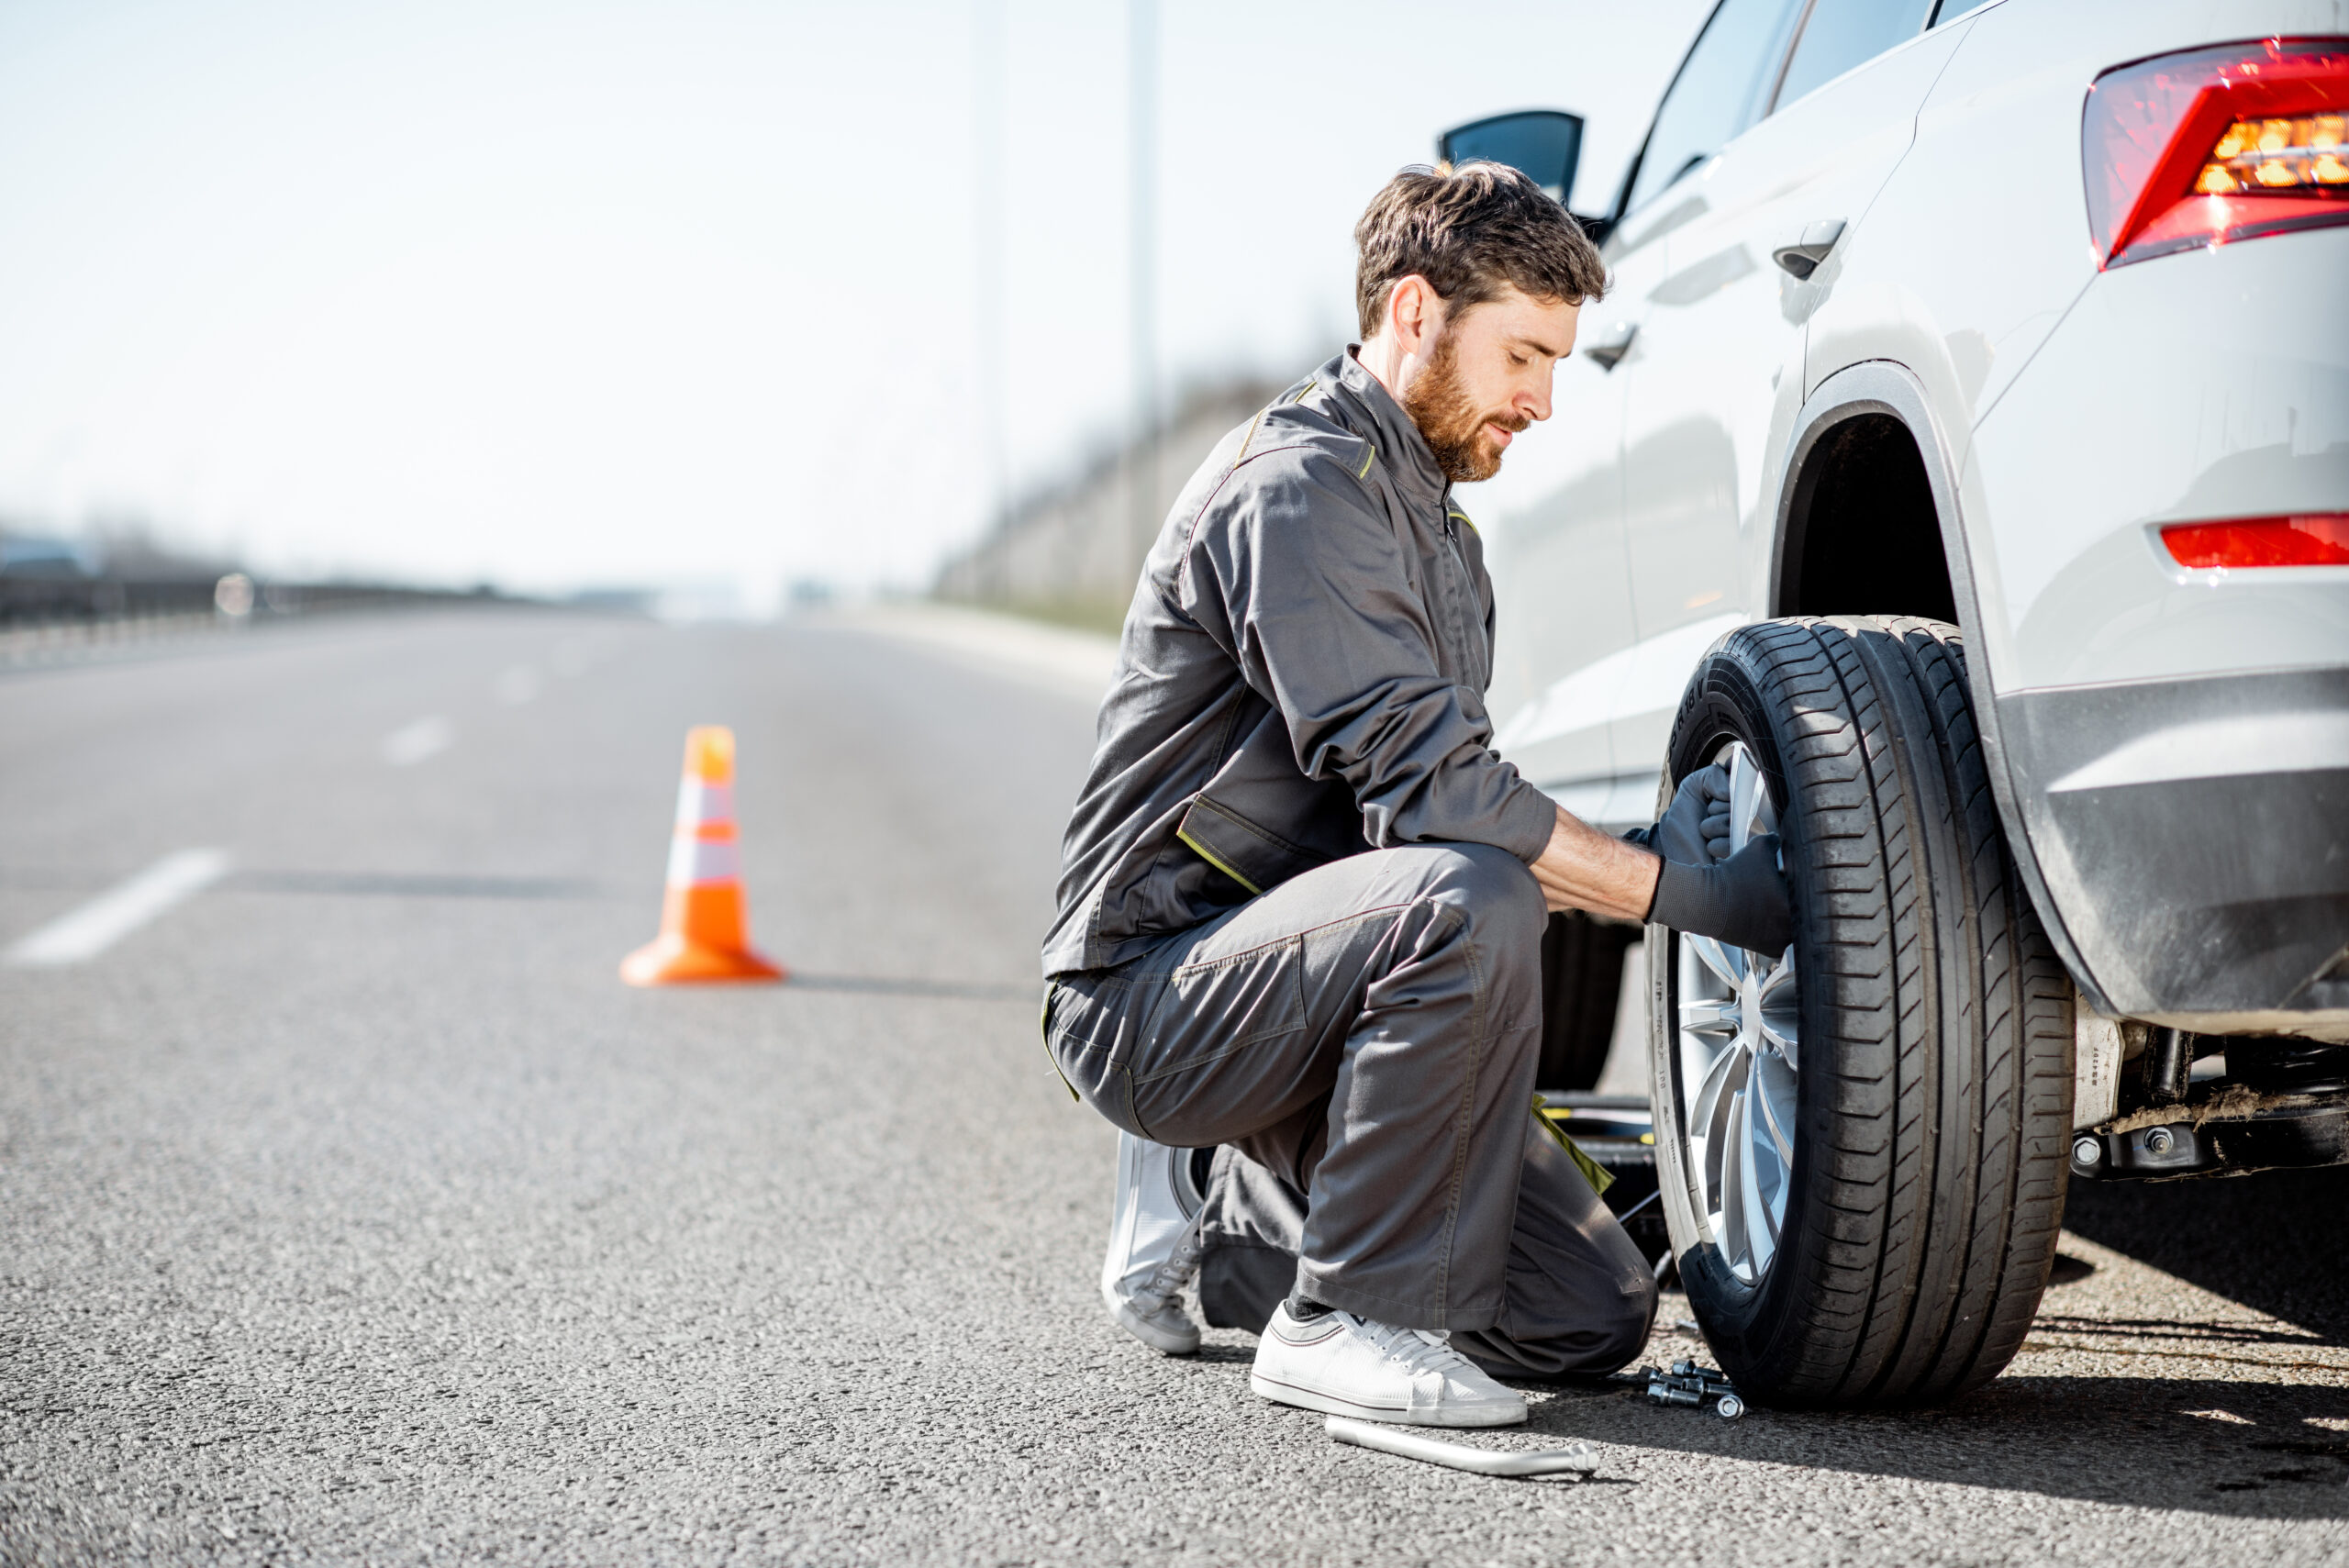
(1517, 359)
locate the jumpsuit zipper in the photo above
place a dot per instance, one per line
(1460, 645)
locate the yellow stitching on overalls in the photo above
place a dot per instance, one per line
(1599, 1177)
(1216, 861)
(1250, 436)
(1364, 472)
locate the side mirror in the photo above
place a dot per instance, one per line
(1544, 143)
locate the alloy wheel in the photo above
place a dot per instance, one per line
(1739, 1057)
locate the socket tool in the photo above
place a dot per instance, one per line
(1690, 1385)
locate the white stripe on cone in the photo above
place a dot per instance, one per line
(699, 803)
(692, 861)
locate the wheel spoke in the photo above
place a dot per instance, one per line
(1736, 1240)
(1777, 1109)
(1744, 782)
(1761, 1224)
(1711, 1015)
(1728, 963)
(1705, 1103)
(1778, 1016)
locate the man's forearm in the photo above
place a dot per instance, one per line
(1586, 868)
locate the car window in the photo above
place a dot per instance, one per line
(1843, 33)
(1953, 9)
(1719, 92)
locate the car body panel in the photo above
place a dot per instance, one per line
(2224, 375)
(1712, 398)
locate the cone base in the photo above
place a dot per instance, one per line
(671, 960)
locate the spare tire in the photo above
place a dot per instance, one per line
(1861, 1142)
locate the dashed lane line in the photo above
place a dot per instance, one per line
(82, 934)
(412, 743)
(517, 684)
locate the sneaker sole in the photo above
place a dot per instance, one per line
(1330, 1405)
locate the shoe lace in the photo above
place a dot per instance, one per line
(1167, 1280)
(1418, 1350)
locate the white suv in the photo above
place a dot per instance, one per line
(1962, 450)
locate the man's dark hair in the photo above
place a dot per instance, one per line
(1469, 231)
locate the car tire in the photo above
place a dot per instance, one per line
(1918, 1034)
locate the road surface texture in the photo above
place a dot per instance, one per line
(352, 1210)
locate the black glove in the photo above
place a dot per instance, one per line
(1694, 829)
(1741, 901)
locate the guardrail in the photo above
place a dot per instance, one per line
(51, 619)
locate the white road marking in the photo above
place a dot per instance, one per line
(410, 744)
(113, 915)
(517, 684)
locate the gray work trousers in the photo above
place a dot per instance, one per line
(1364, 1036)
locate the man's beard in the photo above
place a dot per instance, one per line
(1450, 419)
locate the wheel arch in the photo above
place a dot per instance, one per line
(1855, 411)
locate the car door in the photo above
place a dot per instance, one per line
(1553, 526)
(1711, 396)
(1561, 567)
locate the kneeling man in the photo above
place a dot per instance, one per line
(1302, 899)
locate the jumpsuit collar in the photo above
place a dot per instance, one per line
(1403, 452)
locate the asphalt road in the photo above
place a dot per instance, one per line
(353, 1211)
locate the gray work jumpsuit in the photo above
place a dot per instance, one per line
(1295, 919)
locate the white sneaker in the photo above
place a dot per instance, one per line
(1154, 1245)
(1348, 1365)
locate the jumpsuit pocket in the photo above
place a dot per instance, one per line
(1252, 855)
(1088, 1023)
(1214, 1046)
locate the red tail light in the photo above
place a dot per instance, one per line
(2216, 145)
(2321, 539)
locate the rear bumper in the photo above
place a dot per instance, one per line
(2201, 386)
(2194, 838)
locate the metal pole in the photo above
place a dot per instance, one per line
(988, 226)
(1141, 146)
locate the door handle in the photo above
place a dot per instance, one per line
(1613, 343)
(1802, 257)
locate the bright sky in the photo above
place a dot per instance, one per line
(564, 294)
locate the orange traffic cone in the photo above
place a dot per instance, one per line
(704, 930)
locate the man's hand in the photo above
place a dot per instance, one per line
(1586, 868)
(1741, 901)
(1694, 829)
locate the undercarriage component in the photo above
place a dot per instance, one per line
(2168, 1066)
(2233, 1129)
(2286, 1066)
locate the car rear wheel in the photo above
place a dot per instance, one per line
(1582, 981)
(1861, 1140)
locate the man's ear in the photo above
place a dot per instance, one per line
(1414, 314)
